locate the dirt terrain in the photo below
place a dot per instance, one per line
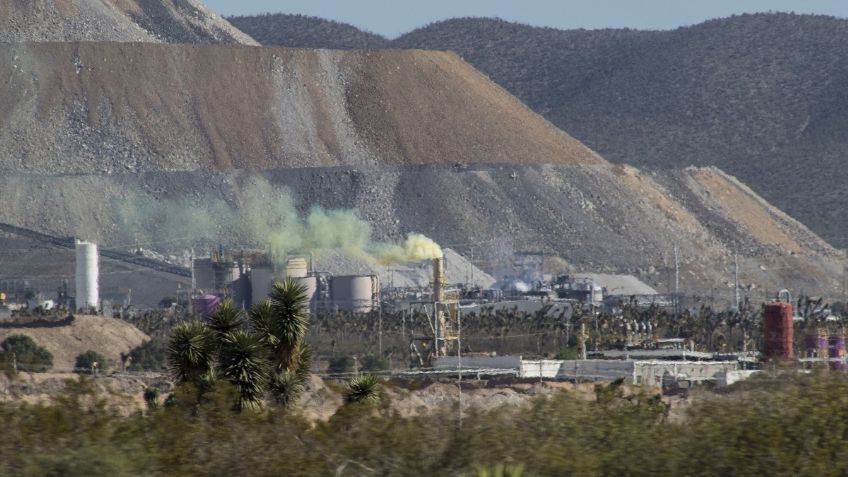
(123, 393)
(111, 107)
(153, 21)
(108, 336)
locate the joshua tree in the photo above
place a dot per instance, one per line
(243, 361)
(191, 353)
(282, 321)
(265, 353)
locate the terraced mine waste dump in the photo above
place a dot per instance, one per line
(219, 256)
(96, 134)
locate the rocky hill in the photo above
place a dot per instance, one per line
(166, 21)
(301, 31)
(760, 96)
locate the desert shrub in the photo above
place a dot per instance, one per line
(151, 355)
(85, 362)
(373, 363)
(26, 355)
(789, 426)
(569, 353)
(340, 365)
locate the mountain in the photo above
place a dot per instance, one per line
(167, 146)
(761, 96)
(156, 21)
(301, 31)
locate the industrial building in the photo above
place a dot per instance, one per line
(248, 279)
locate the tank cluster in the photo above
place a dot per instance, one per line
(248, 278)
(779, 338)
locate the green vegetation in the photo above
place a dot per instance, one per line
(373, 363)
(150, 356)
(363, 389)
(340, 365)
(24, 355)
(88, 361)
(796, 427)
(263, 353)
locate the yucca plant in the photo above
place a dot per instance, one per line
(282, 321)
(243, 361)
(227, 318)
(191, 353)
(363, 389)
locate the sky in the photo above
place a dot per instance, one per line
(393, 17)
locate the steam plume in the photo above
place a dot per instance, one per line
(260, 216)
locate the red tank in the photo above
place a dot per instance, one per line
(778, 331)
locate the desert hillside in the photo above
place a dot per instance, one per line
(108, 336)
(760, 96)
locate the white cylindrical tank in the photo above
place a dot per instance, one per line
(87, 275)
(296, 267)
(354, 293)
(311, 284)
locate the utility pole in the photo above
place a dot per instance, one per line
(459, 359)
(193, 279)
(736, 281)
(380, 324)
(676, 280)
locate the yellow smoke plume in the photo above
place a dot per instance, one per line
(415, 248)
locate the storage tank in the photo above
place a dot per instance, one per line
(206, 305)
(778, 331)
(311, 284)
(355, 292)
(261, 281)
(87, 275)
(296, 267)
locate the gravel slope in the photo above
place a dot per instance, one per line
(154, 21)
(601, 218)
(110, 107)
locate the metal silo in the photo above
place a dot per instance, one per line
(778, 331)
(87, 275)
(296, 267)
(355, 292)
(311, 284)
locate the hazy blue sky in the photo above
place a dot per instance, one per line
(393, 17)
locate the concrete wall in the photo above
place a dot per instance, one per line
(650, 373)
(546, 367)
(479, 362)
(599, 369)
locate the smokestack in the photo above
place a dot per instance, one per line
(438, 279)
